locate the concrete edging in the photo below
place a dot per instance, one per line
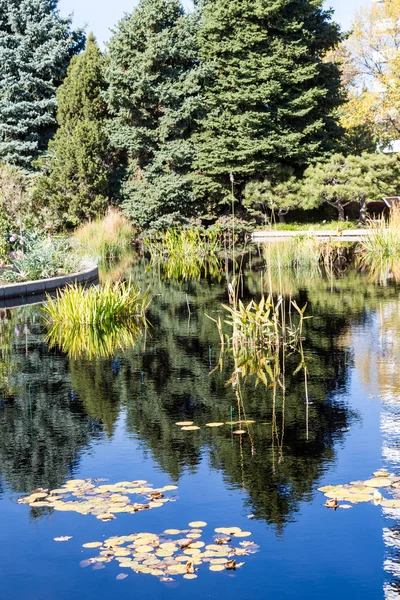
(41, 286)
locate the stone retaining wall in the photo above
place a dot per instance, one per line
(43, 286)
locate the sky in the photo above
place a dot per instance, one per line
(101, 15)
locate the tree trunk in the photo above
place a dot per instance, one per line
(282, 217)
(340, 209)
(363, 208)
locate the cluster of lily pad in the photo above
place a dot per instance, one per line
(190, 426)
(173, 553)
(86, 496)
(363, 491)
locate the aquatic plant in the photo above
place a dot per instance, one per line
(186, 253)
(380, 251)
(363, 491)
(106, 238)
(304, 253)
(258, 337)
(96, 321)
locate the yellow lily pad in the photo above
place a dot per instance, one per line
(196, 524)
(184, 423)
(214, 424)
(378, 482)
(217, 568)
(190, 428)
(92, 545)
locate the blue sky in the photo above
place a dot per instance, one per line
(101, 15)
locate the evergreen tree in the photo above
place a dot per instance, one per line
(270, 97)
(76, 180)
(342, 180)
(36, 46)
(153, 98)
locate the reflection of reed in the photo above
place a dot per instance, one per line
(95, 322)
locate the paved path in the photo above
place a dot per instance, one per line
(347, 235)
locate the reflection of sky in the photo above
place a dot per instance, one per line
(377, 360)
(103, 15)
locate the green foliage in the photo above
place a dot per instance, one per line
(269, 97)
(43, 257)
(106, 238)
(274, 197)
(345, 179)
(17, 211)
(96, 321)
(36, 46)
(153, 98)
(77, 169)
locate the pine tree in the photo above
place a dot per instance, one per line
(153, 98)
(270, 97)
(77, 168)
(36, 46)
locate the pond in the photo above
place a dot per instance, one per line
(113, 420)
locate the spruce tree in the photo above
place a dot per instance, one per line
(77, 168)
(36, 46)
(153, 98)
(270, 96)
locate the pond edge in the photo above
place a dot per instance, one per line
(41, 286)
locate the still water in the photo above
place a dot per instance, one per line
(64, 418)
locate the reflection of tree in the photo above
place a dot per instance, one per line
(168, 379)
(94, 382)
(42, 428)
(176, 384)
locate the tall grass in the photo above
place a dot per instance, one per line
(306, 254)
(96, 321)
(106, 238)
(380, 251)
(185, 253)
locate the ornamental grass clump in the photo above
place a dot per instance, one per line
(301, 253)
(105, 239)
(380, 251)
(96, 321)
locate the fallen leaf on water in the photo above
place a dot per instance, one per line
(231, 565)
(106, 517)
(189, 567)
(63, 538)
(121, 576)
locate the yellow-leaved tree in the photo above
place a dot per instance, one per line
(370, 58)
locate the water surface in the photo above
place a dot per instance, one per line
(115, 418)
